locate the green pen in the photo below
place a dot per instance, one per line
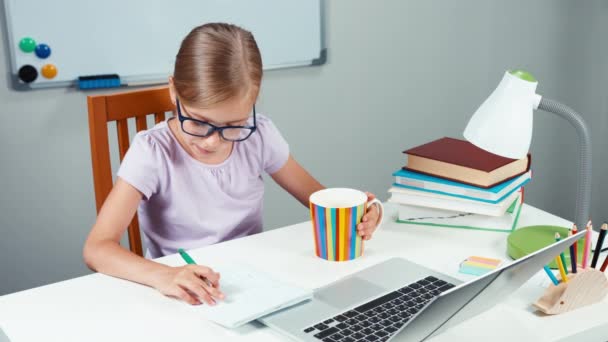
(186, 257)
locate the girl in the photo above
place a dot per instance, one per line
(196, 179)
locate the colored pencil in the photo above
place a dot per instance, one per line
(598, 245)
(562, 271)
(551, 275)
(574, 249)
(572, 258)
(587, 245)
(562, 257)
(605, 264)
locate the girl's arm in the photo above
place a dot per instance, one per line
(297, 181)
(103, 253)
(300, 184)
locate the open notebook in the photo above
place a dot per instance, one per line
(250, 294)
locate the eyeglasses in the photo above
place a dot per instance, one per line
(203, 129)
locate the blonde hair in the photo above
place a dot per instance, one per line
(217, 62)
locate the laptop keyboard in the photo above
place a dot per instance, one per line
(379, 319)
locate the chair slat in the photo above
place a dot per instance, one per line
(159, 117)
(123, 137)
(140, 123)
(135, 237)
(100, 149)
(135, 103)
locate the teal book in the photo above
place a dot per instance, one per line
(418, 181)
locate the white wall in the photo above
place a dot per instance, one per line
(400, 73)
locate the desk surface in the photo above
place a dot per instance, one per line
(101, 308)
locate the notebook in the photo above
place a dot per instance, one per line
(451, 219)
(432, 200)
(250, 294)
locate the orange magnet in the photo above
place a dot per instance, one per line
(49, 71)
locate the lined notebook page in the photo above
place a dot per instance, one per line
(250, 294)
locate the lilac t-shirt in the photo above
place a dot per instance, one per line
(189, 204)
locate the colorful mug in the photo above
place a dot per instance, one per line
(335, 213)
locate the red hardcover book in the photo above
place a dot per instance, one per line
(460, 161)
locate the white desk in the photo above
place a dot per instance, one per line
(101, 308)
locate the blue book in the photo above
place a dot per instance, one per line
(423, 182)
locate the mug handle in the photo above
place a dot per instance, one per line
(380, 208)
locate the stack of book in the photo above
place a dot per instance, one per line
(451, 182)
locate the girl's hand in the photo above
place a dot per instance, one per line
(190, 283)
(370, 220)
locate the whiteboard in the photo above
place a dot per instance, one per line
(138, 39)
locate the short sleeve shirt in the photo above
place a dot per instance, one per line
(189, 204)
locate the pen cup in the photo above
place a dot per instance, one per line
(335, 213)
(588, 286)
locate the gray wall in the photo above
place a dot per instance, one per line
(400, 73)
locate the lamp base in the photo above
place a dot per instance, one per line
(526, 240)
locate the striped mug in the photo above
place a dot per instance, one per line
(335, 213)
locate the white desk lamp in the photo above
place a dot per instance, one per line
(503, 125)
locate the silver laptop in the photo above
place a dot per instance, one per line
(399, 300)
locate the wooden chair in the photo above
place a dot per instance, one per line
(120, 107)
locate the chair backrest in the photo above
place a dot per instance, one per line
(120, 107)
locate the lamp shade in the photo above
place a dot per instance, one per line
(503, 123)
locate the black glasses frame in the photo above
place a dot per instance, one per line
(214, 128)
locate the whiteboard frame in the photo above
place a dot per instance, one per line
(140, 80)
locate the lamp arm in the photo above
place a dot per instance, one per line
(583, 196)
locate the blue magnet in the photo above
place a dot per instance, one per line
(43, 51)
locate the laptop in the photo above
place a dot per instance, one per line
(399, 300)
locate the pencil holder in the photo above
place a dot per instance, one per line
(586, 287)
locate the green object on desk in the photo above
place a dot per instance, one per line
(526, 240)
(186, 257)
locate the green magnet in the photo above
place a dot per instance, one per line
(27, 44)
